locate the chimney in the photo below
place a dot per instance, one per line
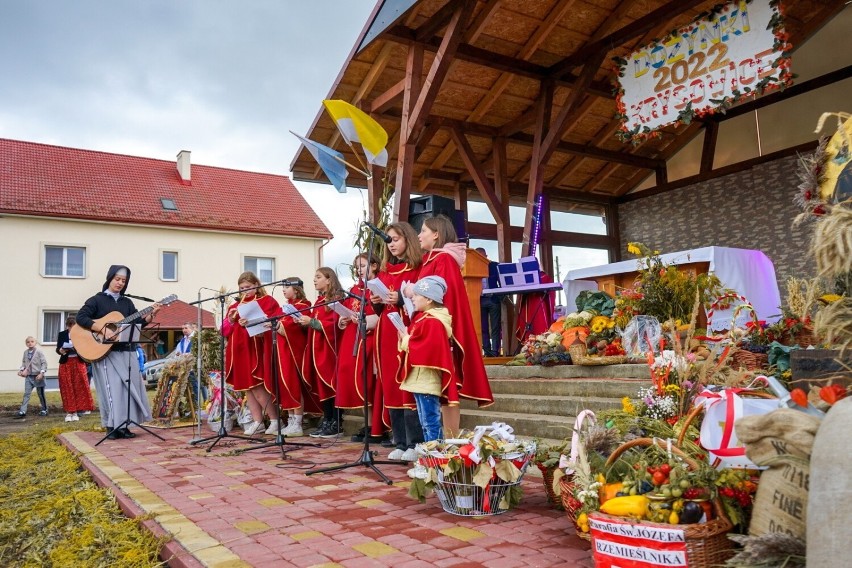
(184, 167)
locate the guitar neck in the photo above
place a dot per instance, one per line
(132, 317)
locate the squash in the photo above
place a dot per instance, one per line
(572, 333)
(608, 491)
(558, 325)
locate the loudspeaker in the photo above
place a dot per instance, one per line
(420, 208)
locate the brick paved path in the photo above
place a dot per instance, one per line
(255, 509)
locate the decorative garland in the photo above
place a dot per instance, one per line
(639, 133)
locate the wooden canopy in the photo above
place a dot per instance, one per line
(513, 99)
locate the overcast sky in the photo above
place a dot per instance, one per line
(225, 79)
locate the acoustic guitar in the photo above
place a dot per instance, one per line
(93, 346)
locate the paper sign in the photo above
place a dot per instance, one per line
(378, 288)
(251, 311)
(625, 544)
(67, 345)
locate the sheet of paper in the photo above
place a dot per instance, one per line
(406, 301)
(251, 311)
(343, 311)
(67, 345)
(378, 288)
(396, 320)
(291, 311)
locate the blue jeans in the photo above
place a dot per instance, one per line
(30, 384)
(429, 412)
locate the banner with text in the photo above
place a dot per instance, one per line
(721, 58)
(626, 544)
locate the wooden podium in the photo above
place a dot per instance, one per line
(474, 270)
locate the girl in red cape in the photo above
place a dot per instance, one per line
(319, 366)
(295, 392)
(535, 311)
(248, 360)
(444, 257)
(350, 370)
(400, 263)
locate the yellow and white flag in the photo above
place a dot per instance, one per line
(357, 126)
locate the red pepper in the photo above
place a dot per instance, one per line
(799, 397)
(832, 393)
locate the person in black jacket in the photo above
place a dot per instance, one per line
(73, 377)
(111, 373)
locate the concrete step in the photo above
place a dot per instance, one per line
(522, 404)
(568, 372)
(527, 425)
(614, 388)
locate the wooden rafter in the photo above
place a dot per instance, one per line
(479, 177)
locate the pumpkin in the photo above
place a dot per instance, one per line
(558, 325)
(572, 333)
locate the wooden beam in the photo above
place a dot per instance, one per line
(635, 28)
(708, 150)
(501, 188)
(438, 69)
(592, 152)
(497, 61)
(537, 161)
(481, 20)
(475, 169)
(407, 149)
(436, 21)
(559, 238)
(613, 231)
(387, 99)
(723, 171)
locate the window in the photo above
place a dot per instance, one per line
(168, 265)
(264, 268)
(69, 262)
(52, 322)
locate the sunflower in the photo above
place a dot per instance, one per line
(599, 323)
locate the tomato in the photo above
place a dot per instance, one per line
(659, 478)
(666, 468)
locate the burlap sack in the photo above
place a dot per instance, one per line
(782, 441)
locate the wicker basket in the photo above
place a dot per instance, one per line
(547, 478)
(571, 505)
(707, 543)
(742, 359)
(602, 360)
(805, 338)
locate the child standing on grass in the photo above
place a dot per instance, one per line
(427, 360)
(33, 368)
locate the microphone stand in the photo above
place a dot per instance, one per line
(366, 458)
(223, 432)
(280, 439)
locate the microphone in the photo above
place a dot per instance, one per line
(290, 282)
(143, 298)
(379, 233)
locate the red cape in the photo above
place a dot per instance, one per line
(248, 359)
(292, 344)
(469, 378)
(428, 346)
(387, 338)
(350, 381)
(319, 365)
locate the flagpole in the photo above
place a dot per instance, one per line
(359, 160)
(357, 169)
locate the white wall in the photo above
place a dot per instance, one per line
(205, 259)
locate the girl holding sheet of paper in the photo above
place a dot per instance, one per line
(319, 366)
(444, 257)
(248, 358)
(400, 264)
(295, 392)
(351, 368)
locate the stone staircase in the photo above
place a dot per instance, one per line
(542, 402)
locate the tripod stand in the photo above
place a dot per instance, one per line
(366, 458)
(223, 432)
(280, 439)
(128, 329)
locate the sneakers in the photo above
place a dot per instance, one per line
(75, 417)
(294, 428)
(409, 455)
(252, 428)
(87, 412)
(21, 415)
(273, 427)
(418, 472)
(396, 455)
(70, 417)
(43, 413)
(359, 437)
(332, 430)
(319, 429)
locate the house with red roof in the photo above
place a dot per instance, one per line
(67, 214)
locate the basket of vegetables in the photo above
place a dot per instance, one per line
(666, 506)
